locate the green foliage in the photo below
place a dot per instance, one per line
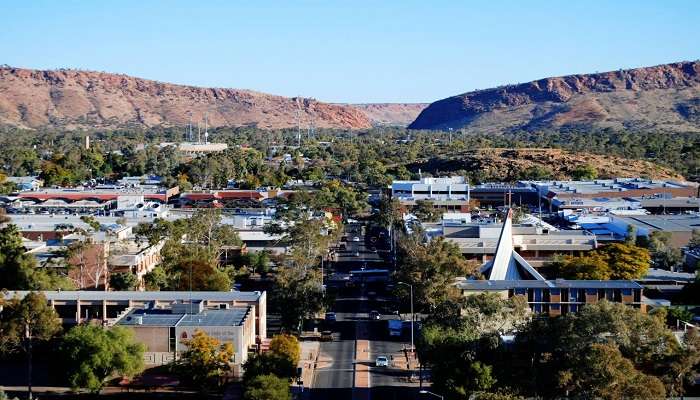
(663, 254)
(19, 270)
(298, 294)
(431, 268)
(205, 362)
(91, 221)
(468, 331)
(31, 315)
(613, 261)
(267, 387)
(123, 281)
(601, 372)
(268, 363)
(191, 253)
(584, 172)
(94, 354)
(287, 346)
(426, 212)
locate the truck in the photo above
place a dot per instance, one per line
(395, 326)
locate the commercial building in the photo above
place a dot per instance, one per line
(509, 274)
(567, 191)
(79, 306)
(535, 240)
(450, 193)
(165, 331)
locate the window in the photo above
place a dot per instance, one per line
(172, 342)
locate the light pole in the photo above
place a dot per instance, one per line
(413, 349)
(432, 394)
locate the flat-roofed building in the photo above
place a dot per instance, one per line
(447, 193)
(165, 331)
(535, 242)
(509, 274)
(78, 306)
(612, 188)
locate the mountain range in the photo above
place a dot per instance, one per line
(664, 98)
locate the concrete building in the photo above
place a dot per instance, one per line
(26, 183)
(564, 191)
(134, 258)
(450, 193)
(77, 306)
(508, 274)
(537, 242)
(165, 331)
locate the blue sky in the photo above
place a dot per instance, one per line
(349, 51)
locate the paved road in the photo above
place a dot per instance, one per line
(334, 375)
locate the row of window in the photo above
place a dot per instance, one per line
(568, 295)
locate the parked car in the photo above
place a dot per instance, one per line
(382, 361)
(356, 239)
(374, 315)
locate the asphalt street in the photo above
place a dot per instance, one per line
(335, 373)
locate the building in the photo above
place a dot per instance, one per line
(165, 331)
(508, 274)
(26, 183)
(77, 306)
(534, 240)
(136, 259)
(451, 194)
(567, 191)
(502, 194)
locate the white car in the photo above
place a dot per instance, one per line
(381, 361)
(356, 239)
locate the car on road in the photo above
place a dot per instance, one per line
(374, 315)
(330, 317)
(382, 361)
(356, 239)
(327, 336)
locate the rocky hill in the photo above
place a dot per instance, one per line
(508, 164)
(72, 99)
(664, 97)
(391, 114)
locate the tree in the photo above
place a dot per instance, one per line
(22, 322)
(603, 373)
(94, 354)
(287, 346)
(267, 387)
(123, 281)
(19, 271)
(206, 361)
(694, 242)
(663, 254)
(299, 295)
(268, 363)
(200, 274)
(431, 268)
(470, 336)
(614, 261)
(425, 211)
(585, 172)
(91, 221)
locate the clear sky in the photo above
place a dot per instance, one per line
(348, 51)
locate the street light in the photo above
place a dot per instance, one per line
(412, 315)
(432, 394)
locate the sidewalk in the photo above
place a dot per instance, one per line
(308, 361)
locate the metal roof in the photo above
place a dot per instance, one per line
(89, 295)
(550, 284)
(164, 317)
